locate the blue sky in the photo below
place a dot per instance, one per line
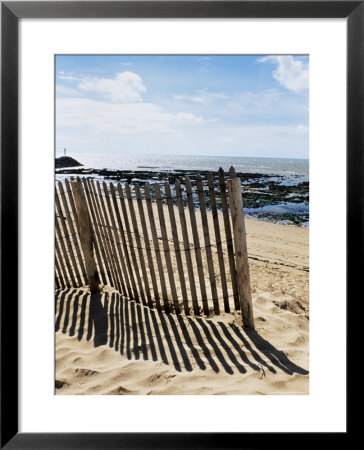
(233, 105)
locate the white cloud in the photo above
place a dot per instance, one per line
(64, 77)
(109, 114)
(272, 104)
(203, 97)
(189, 117)
(66, 91)
(291, 73)
(300, 129)
(268, 106)
(126, 87)
(190, 98)
(120, 118)
(260, 140)
(94, 126)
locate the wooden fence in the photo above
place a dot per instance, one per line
(179, 248)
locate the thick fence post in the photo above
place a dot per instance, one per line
(241, 252)
(85, 235)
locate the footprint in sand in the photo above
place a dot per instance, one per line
(85, 372)
(60, 383)
(120, 390)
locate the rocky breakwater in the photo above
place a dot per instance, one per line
(67, 161)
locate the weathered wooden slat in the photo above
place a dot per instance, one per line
(56, 280)
(72, 230)
(148, 200)
(187, 248)
(147, 248)
(100, 265)
(61, 261)
(229, 239)
(134, 294)
(58, 270)
(177, 247)
(62, 278)
(107, 255)
(196, 242)
(65, 255)
(59, 278)
(113, 237)
(241, 250)
(96, 235)
(131, 245)
(128, 291)
(108, 237)
(166, 249)
(206, 235)
(138, 243)
(85, 236)
(111, 244)
(72, 203)
(66, 234)
(220, 254)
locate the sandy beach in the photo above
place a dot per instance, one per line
(110, 345)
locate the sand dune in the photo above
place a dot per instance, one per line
(106, 344)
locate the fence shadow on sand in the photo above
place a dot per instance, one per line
(186, 343)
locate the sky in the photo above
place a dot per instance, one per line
(232, 105)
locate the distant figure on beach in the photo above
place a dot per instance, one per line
(65, 151)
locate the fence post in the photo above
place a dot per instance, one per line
(85, 235)
(241, 252)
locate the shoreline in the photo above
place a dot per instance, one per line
(273, 198)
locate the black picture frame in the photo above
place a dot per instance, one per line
(11, 12)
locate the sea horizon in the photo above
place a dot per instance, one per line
(297, 167)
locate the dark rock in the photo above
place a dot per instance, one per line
(66, 161)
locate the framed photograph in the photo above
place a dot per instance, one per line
(200, 239)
